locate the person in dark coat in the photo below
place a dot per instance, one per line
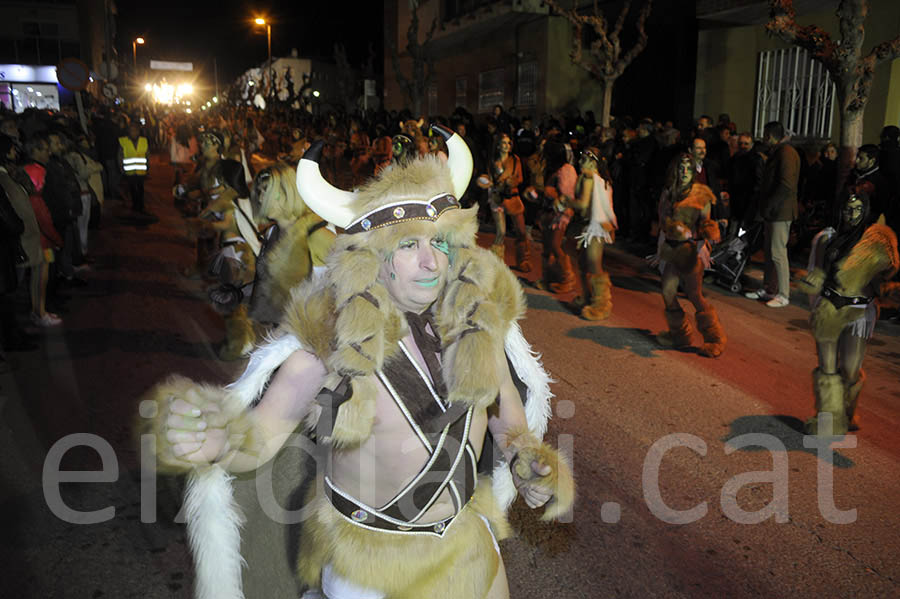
(777, 208)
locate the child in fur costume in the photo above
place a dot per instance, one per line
(848, 268)
(411, 337)
(686, 230)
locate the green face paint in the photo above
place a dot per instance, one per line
(441, 246)
(428, 282)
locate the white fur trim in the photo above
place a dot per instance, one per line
(263, 362)
(213, 518)
(527, 365)
(529, 369)
(214, 533)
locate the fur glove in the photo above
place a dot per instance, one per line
(210, 425)
(559, 482)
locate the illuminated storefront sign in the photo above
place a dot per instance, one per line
(26, 86)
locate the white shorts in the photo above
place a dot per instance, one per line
(337, 587)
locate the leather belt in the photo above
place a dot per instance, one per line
(368, 517)
(839, 301)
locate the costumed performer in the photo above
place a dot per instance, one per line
(848, 269)
(296, 242)
(505, 176)
(201, 188)
(686, 232)
(559, 195)
(593, 198)
(229, 217)
(411, 335)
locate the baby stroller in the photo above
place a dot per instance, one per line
(729, 258)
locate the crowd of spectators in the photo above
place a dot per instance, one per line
(55, 174)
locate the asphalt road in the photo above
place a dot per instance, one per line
(672, 496)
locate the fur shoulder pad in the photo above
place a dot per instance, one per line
(482, 300)
(310, 316)
(480, 268)
(874, 254)
(700, 196)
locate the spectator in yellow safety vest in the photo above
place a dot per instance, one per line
(133, 158)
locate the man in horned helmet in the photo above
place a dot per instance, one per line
(427, 403)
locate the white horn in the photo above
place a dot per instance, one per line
(459, 159)
(332, 204)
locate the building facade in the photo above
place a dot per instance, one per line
(756, 78)
(507, 52)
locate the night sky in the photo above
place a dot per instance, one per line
(198, 30)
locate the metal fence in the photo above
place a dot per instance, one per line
(795, 90)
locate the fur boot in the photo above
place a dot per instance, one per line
(548, 271)
(850, 399)
(599, 306)
(499, 250)
(239, 335)
(713, 334)
(523, 254)
(679, 333)
(829, 392)
(567, 276)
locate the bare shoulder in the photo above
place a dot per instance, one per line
(294, 387)
(302, 365)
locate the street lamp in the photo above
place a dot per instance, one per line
(261, 21)
(134, 45)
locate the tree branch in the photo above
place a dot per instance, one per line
(620, 22)
(888, 50)
(783, 26)
(641, 42)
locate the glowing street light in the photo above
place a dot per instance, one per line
(148, 87)
(261, 21)
(134, 45)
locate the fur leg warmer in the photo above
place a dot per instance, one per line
(239, 335)
(713, 334)
(559, 482)
(829, 392)
(679, 333)
(599, 306)
(851, 398)
(499, 250)
(523, 254)
(567, 276)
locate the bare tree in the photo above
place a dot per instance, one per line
(851, 72)
(416, 86)
(607, 61)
